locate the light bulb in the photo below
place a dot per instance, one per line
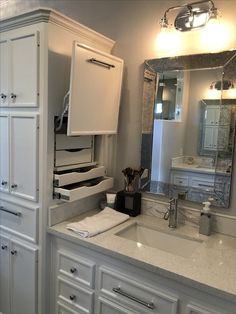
(168, 41)
(215, 35)
(232, 93)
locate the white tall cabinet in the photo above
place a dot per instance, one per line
(35, 54)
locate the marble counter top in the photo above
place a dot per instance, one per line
(211, 267)
(199, 169)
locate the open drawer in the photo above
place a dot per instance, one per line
(80, 175)
(78, 191)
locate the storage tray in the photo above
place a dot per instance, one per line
(78, 191)
(82, 174)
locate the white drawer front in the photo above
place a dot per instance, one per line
(71, 194)
(19, 220)
(181, 180)
(63, 309)
(204, 184)
(136, 295)
(77, 268)
(67, 142)
(78, 176)
(106, 306)
(70, 157)
(79, 298)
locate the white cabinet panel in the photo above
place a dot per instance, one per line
(4, 275)
(138, 296)
(24, 156)
(4, 73)
(196, 309)
(24, 71)
(19, 220)
(4, 153)
(107, 307)
(23, 279)
(94, 92)
(76, 296)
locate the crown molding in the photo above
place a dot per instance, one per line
(46, 15)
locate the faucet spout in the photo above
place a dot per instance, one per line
(171, 213)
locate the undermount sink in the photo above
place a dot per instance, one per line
(166, 241)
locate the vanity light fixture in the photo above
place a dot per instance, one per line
(191, 16)
(222, 85)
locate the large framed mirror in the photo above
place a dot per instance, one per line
(188, 126)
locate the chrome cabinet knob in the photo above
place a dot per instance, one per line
(3, 183)
(72, 297)
(13, 186)
(73, 270)
(3, 96)
(13, 96)
(13, 252)
(4, 247)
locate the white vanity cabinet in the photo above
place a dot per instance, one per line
(18, 270)
(118, 287)
(19, 155)
(19, 69)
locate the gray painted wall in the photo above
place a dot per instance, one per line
(133, 24)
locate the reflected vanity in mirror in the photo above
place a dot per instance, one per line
(188, 126)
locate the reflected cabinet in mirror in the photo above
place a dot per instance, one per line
(188, 126)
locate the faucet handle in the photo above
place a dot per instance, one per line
(167, 214)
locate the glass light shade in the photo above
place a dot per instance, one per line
(168, 41)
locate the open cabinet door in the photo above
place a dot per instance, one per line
(95, 88)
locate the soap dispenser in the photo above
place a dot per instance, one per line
(205, 218)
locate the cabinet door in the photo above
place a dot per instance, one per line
(94, 92)
(212, 115)
(23, 65)
(195, 309)
(210, 137)
(4, 152)
(23, 279)
(4, 73)
(24, 156)
(4, 275)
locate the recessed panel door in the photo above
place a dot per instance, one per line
(4, 73)
(4, 275)
(24, 156)
(23, 89)
(4, 153)
(23, 279)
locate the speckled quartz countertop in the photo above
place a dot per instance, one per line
(211, 267)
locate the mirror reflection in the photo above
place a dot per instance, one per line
(188, 126)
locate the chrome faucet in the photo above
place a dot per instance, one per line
(171, 213)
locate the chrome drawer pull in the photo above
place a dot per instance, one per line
(3, 183)
(4, 247)
(13, 252)
(98, 62)
(206, 185)
(10, 211)
(125, 294)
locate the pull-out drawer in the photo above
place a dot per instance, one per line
(78, 176)
(73, 156)
(75, 192)
(206, 184)
(77, 268)
(79, 298)
(68, 142)
(19, 220)
(136, 295)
